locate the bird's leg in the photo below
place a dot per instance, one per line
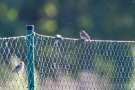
(18, 73)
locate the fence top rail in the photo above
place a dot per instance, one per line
(2, 38)
(74, 39)
(16, 37)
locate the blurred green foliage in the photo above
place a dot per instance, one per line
(106, 19)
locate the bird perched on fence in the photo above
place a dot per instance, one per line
(57, 38)
(84, 36)
(18, 68)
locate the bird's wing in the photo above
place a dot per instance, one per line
(87, 36)
(58, 37)
(16, 67)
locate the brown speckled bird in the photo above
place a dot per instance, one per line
(84, 36)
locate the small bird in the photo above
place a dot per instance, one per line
(57, 38)
(84, 36)
(18, 68)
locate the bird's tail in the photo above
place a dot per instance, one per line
(13, 71)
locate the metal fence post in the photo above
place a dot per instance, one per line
(30, 55)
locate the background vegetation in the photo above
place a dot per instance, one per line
(106, 19)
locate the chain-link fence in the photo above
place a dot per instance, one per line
(71, 64)
(12, 51)
(77, 65)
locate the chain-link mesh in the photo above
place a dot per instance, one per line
(71, 64)
(76, 65)
(12, 52)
